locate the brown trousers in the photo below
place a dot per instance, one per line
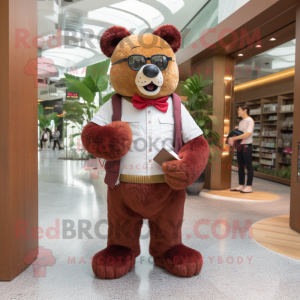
(130, 203)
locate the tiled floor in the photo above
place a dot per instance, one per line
(234, 268)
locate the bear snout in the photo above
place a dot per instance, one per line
(149, 80)
(151, 71)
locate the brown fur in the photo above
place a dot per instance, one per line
(129, 203)
(123, 78)
(182, 173)
(109, 142)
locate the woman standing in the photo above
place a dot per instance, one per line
(44, 139)
(244, 149)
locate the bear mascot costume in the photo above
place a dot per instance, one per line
(144, 116)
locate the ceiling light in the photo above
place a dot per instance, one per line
(173, 5)
(150, 14)
(241, 54)
(265, 80)
(117, 17)
(272, 39)
(258, 46)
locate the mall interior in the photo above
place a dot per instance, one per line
(57, 199)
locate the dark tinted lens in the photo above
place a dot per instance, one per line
(136, 62)
(160, 61)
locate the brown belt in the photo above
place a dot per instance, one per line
(142, 179)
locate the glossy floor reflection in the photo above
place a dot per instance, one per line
(235, 267)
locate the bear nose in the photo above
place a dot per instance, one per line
(151, 71)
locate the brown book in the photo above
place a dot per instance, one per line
(165, 155)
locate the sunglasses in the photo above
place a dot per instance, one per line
(136, 62)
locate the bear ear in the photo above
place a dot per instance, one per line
(171, 35)
(111, 38)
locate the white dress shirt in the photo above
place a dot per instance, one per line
(151, 130)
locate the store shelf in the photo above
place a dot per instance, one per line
(272, 120)
(270, 113)
(267, 147)
(283, 163)
(267, 177)
(269, 136)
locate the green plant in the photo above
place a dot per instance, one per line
(57, 121)
(95, 81)
(267, 171)
(196, 104)
(285, 172)
(44, 121)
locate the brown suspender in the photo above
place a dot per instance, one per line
(113, 167)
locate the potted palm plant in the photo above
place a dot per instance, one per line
(78, 114)
(197, 105)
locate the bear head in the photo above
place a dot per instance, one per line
(137, 74)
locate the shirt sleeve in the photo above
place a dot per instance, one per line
(190, 129)
(104, 114)
(250, 126)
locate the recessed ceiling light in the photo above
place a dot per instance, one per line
(258, 46)
(272, 39)
(241, 54)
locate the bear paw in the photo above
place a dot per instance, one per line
(113, 262)
(181, 261)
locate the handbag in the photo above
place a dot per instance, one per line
(233, 133)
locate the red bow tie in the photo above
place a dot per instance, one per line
(141, 103)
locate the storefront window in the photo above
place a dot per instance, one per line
(265, 83)
(267, 63)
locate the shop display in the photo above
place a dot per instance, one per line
(272, 136)
(117, 128)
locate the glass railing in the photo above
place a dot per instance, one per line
(206, 18)
(213, 13)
